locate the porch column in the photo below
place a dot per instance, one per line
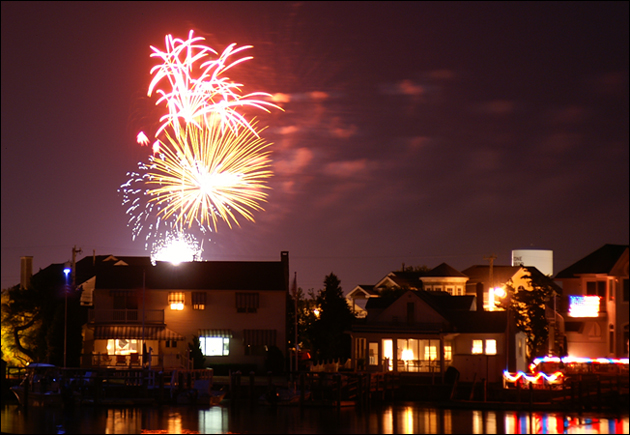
(442, 356)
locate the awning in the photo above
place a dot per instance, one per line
(227, 333)
(135, 332)
(256, 337)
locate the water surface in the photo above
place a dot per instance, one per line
(385, 419)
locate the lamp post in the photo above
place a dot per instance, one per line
(66, 271)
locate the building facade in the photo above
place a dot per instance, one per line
(425, 332)
(142, 313)
(595, 303)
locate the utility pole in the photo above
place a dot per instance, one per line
(75, 251)
(73, 269)
(491, 258)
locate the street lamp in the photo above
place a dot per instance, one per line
(66, 271)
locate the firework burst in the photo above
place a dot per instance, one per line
(198, 177)
(209, 162)
(176, 247)
(198, 85)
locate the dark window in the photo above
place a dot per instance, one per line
(125, 301)
(591, 288)
(626, 290)
(612, 342)
(199, 300)
(601, 289)
(247, 302)
(410, 312)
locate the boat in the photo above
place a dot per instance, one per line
(42, 386)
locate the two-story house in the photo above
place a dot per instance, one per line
(441, 278)
(237, 309)
(595, 303)
(425, 332)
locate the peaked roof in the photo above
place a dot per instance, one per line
(440, 301)
(454, 309)
(600, 261)
(481, 273)
(444, 270)
(406, 279)
(366, 289)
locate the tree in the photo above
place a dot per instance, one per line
(33, 321)
(528, 308)
(327, 335)
(421, 268)
(307, 304)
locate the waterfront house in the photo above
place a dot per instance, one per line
(137, 309)
(441, 278)
(595, 303)
(425, 332)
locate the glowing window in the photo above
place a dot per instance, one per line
(491, 347)
(122, 346)
(215, 346)
(448, 352)
(430, 353)
(373, 354)
(477, 347)
(176, 300)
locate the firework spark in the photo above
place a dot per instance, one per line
(200, 176)
(176, 247)
(197, 91)
(209, 162)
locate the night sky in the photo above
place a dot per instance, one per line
(415, 133)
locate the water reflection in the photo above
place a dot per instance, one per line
(393, 418)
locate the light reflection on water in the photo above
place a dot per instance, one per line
(391, 418)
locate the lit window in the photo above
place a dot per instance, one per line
(373, 354)
(477, 347)
(176, 300)
(122, 346)
(215, 346)
(199, 300)
(448, 353)
(491, 347)
(430, 353)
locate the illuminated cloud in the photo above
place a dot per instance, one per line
(297, 161)
(337, 129)
(496, 107)
(347, 169)
(289, 129)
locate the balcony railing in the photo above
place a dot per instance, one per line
(125, 316)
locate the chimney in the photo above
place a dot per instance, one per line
(479, 291)
(26, 271)
(284, 258)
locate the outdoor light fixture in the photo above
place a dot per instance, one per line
(66, 270)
